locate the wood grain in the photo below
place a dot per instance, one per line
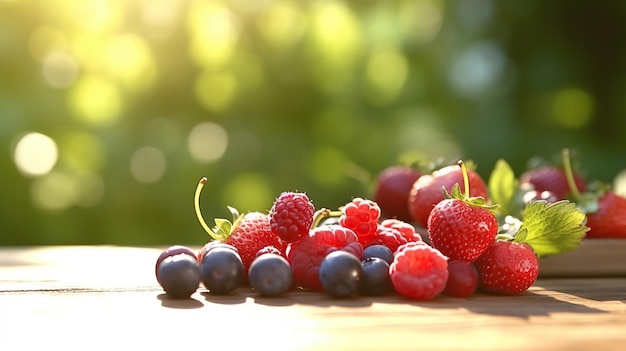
(106, 298)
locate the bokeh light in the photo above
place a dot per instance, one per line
(148, 164)
(207, 142)
(35, 154)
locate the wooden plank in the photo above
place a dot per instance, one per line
(107, 298)
(593, 258)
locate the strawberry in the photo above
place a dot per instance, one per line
(462, 228)
(426, 191)
(247, 233)
(392, 189)
(507, 268)
(307, 254)
(605, 210)
(291, 216)
(552, 179)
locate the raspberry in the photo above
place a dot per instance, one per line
(419, 272)
(406, 229)
(361, 216)
(291, 216)
(306, 255)
(390, 237)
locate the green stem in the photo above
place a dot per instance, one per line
(465, 177)
(322, 214)
(569, 174)
(197, 207)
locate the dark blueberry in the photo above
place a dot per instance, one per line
(221, 270)
(376, 279)
(179, 275)
(213, 244)
(380, 251)
(270, 275)
(172, 251)
(340, 273)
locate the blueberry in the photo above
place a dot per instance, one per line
(340, 273)
(179, 275)
(221, 270)
(270, 275)
(172, 251)
(380, 251)
(376, 279)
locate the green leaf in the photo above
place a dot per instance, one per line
(552, 228)
(477, 201)
(503, 188)
(222, 228)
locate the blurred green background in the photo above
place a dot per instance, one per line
(112, 110)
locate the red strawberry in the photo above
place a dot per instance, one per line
(392, 189)
(551, 179)
(291, 216)
(361, 216)
(462, 228)
(306, 255)
(419, 271)
(507, 268)
(609, 219)
(426, 191)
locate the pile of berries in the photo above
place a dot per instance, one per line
(455, 235)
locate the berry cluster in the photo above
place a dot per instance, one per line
(456, 235)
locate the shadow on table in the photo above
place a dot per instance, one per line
(169, 302)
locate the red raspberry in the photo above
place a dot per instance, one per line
(419, 271)
(406, 229)
(306, 255)
(361, 216)
(291, 216)
(390, 237)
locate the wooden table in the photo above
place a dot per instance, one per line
(106, 298)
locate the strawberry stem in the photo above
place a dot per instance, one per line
(569, 174)
(323, 213)
(197, 208)
(465, 178)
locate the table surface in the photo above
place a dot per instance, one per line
(106, 297)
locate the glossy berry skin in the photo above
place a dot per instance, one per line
(375, 280)
(306, 255)
(291, 216)
(250, 234)
(211, 245)
(179, 275)
(270, 275)
(392, 189)
(609, 221)
(507, 268)
(172, 251)
(340, 274)
(462, 279)
(419, 271)
(552, 179)
(379, 251)
(361, 216)
(460, 230)
(427, 190)
(221, 270)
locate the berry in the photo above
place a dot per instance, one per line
(211, 245)
(248, 233)
(179, 275)
(535, 195)
(221, 270)
(269, 249)
(462, 279)
(379, 251)
(291, 216)
(172, 251)
(507, 268)
(306, 255)
(609, 219)
(390, 237)
(270, 275)
(419, 271)
(375, 279)
(426, 192)
(392, 189)
(552, 179)
(340, 273)
(406, 229)
(361, 216)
